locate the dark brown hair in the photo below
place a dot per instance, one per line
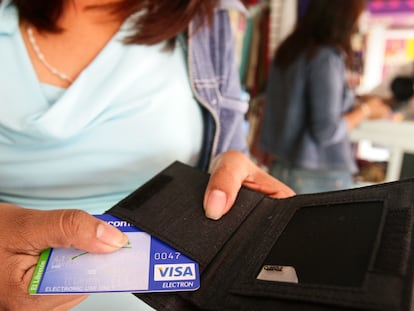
(163, 19)
(325, 22)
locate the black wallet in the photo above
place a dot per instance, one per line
(339, 250)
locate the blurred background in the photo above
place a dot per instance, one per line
(383, 47)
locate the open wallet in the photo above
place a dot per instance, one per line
(341, 250)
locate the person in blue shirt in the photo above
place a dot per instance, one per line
(309, 107)
(96, 97)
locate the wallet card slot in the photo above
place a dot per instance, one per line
(329, 244)
(321, 280)
(388, 280)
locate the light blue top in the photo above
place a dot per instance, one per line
(303, 124)
(215, 82)
(90, 145)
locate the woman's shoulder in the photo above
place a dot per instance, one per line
(9, 22)
(328, 54)
(327, 51)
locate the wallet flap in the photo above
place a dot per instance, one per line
(170, 207)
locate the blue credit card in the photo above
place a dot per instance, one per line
(145, 264)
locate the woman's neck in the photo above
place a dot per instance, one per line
(85, 32)
(88, 13)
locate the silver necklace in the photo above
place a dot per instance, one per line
(41, 57)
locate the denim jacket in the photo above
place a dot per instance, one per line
(302, 122)
(215, 81)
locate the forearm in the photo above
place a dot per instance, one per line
(370, 108)
(356, 116)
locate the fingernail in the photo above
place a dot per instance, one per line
(111, 236)
(215, 205)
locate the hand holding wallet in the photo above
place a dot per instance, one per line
(340, 250)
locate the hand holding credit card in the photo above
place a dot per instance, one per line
(144, 264)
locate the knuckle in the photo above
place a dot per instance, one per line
(70, 223)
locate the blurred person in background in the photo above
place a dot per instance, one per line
(309, 108)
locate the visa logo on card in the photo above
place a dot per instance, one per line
(174, 272)
(145, 264)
